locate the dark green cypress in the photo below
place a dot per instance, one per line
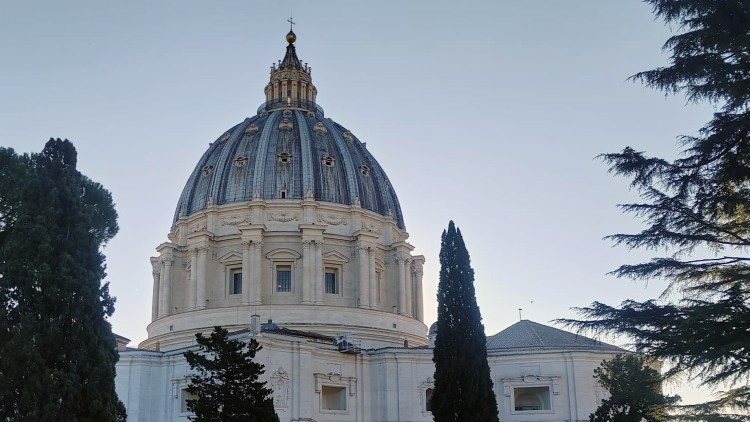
(463, 387)
(226, 384)
(57, 350)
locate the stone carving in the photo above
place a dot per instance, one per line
(236, 220)
(286, 124)
(251, 130)
(282, 216)
(348, 136)
(332, 219)
(369, 227)
(280, 386)
(198, 226)
(320, 128)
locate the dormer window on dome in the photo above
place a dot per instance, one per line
(207, 170)
(364, 170)
(285, 157)
(328, 161)
(240, 161)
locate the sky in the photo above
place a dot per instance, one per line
(489, 113)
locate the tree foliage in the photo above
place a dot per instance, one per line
(227, 386)
(57, 350)
(696, 209)
(634, 389)
(463, 387)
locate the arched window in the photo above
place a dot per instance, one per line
(428, 399)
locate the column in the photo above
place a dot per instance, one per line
(364, 290)
(193, 287)
(246, 268)
(258, 269)
(373, 284)
(155, 298)
(401, 285)
(166, 280)
(420, 298)
(318, 272)
(200, 297)
(306, 272)
(408, 287)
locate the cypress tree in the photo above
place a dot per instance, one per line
(226, 385)
(463, 387)
(57, 350)
(696, 210)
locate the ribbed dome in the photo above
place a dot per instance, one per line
(289, 151)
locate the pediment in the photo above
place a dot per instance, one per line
(283, 254)
(231, 256)
(335, 256)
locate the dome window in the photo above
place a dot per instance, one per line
(286, 124)
(364, 170)
(348, 136)
(240, 161)
(328, 161)
(251, 130)
(285, 157)
(207, 169)
(225, 137)
(283, 194)
(320, 128)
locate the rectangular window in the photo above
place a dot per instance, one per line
(531, 398)
(331, 284)
(428, 399)
(333, 398)
(377, 286)
(284, 278)
(235, 287)
(185, 397)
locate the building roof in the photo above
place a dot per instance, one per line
(529, 335)
(289, 150)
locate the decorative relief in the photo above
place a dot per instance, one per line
(196, 227)
(320, 128)
(332, 219)
(280, 386)
(283, 216)
(348, 136)
(251, 130)
(236, 220)
(286, 124)
(373, 228)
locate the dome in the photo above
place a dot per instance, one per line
(289, 151)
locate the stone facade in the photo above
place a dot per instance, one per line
(287, 218)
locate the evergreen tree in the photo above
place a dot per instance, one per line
(463, 387)
(57, 350)
(634, 392)
(697, 209)
(226, 385)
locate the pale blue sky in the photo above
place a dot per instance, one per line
(489, 113)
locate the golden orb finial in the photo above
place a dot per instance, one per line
(291, 37)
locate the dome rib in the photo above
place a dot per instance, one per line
(260, 160)
(306, 144)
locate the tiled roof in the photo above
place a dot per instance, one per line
(529, 335)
